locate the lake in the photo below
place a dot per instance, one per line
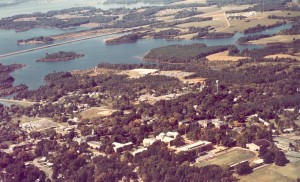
(95, 52)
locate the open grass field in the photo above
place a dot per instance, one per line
(297, 57)
(271, 173)
(96, 112)
(17, 102)
(25, 119)
(223, 56)
(229, 158)
(276, 38)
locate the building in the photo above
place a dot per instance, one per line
(167, 137)
(120, 147)
(94, 144)
(288, 130)
(252, 146)
(262, 143)
(138, 151)
(148, 141)
(200, 145)
(216, 122)
(259, 119)
(257, 163)
(79, 140)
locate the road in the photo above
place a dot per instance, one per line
(42, 167)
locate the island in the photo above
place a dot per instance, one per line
(128, 38)
(60, 56)
(36, 40)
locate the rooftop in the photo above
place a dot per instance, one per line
(200, 143)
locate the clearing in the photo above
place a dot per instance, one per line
(137, 73)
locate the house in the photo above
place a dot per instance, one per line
(200, 145)
(94, 144)
(120, 147)
(148, 141)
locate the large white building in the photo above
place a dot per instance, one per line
(197, 145)
(94, 144)
(148, 141)
(119, 147)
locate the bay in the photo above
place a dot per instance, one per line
(95, 52)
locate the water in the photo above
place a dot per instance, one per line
(9, 38)
(95, 52)
(48, 5)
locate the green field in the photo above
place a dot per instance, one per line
(229, 158)
(270, 173)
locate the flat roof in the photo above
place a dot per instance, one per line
(197, 144)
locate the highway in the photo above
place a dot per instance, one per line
(57, 44)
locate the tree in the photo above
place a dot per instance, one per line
(243, 168)
(280, 159)
(268, 157)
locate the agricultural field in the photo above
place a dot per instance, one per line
(229, 158)
(254, 20)
(276, 38)
(270, 173)
(223, 56)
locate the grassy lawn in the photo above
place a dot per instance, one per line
(232, 157)
(271, 173)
